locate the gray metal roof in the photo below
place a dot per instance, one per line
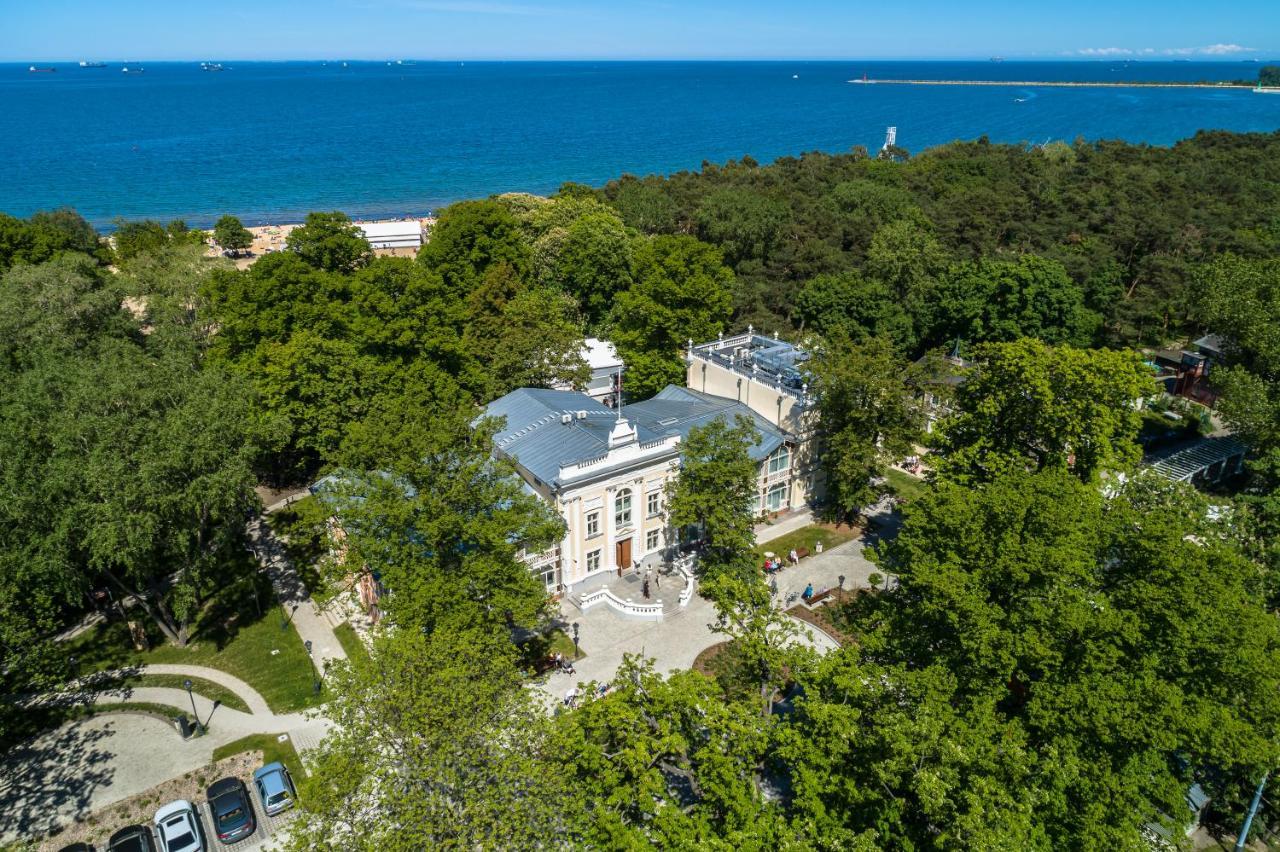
(676, 410)
(1183, 464)
(538, 439)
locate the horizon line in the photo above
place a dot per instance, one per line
(443, 60)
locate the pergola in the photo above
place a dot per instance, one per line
(1208, 458)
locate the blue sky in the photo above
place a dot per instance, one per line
(577, 29)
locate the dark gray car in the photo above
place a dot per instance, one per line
(232, 813)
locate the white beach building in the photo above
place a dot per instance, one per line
(393, 235)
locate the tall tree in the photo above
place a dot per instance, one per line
(468, 238)
(444, 532)
(870, 416)
(329, 241)
(1030, 406)
(230, 233)
(436, 744)
(594, 263)
(681, 291)
(714, 493)
(1055, 670)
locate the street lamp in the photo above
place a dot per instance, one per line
(575, 640)
(315, 674)
(194, 711)
(284, 620)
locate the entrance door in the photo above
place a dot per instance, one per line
(624, 554)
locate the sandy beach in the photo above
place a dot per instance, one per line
(271, 238)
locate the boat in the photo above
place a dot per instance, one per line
(997, 59)
(38, 69)
(210, 66)
(795, 76)
(85, 64)
(136, 70)
(862, 79)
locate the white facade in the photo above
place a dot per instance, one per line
(388, 235)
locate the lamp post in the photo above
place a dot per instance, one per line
(315, 674)
(575, 640)
(194, 711)
(284, 620)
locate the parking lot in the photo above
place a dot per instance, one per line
(268, 829)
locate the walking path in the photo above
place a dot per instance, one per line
(65, 774)
(676, 641)
(310, 622)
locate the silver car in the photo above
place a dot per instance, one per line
(178, 828)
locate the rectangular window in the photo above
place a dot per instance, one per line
(652, 540)
(777, 497)
(593, 561)
(780, 460)
(622, 510)
(593, 524)
(549, 577)
(655, 503)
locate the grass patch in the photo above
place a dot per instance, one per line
(806, 538)
(272, 750)
(303, 529)
(905, 485)
(200, 686)
(229, 635)
(350, 642)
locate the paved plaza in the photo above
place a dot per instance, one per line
(676, 641)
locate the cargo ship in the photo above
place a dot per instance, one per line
(86, 64)
(36, 69)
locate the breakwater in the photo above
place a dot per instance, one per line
(1062, 84)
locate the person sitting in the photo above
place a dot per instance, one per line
(808, 592)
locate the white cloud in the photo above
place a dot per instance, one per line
(1226, 49)
(1207, 50)
(1104, 51)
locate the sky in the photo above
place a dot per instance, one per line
(55, 30)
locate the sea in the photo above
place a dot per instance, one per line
(270, 141)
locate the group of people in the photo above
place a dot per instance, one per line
(773, 564)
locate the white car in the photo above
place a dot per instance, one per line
(178, 828)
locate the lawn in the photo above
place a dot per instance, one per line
(350, 642)
(200, 686)
(272, 750)
(905, 485)
(229, 635)
(806, 538)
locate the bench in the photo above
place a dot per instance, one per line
(802, 552)
(819, 597)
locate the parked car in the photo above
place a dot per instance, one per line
(77, 847)
(178, 828)
(275, 788)
(132, 838)
(232, 813)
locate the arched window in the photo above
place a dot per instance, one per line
(622, 509)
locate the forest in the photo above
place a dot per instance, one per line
(1062, 653)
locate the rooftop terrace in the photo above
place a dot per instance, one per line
(767, 360)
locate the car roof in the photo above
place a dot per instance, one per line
(272, 782)
(269, 769)
(128, 832)
(177, 806)
(224, 786)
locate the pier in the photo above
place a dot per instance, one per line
(1061, 84)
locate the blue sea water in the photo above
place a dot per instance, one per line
(272, 140)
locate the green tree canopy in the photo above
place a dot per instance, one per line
(1054, 671)
(330, 242)
(468, 238)
(594, 262)
(1027, 405)
(715, 491)
(869, 416)
(230, 233)
(445, 531)
(436, 744)
(681, 291)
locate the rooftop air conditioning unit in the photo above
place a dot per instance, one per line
(566, 418)
(582, 415)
